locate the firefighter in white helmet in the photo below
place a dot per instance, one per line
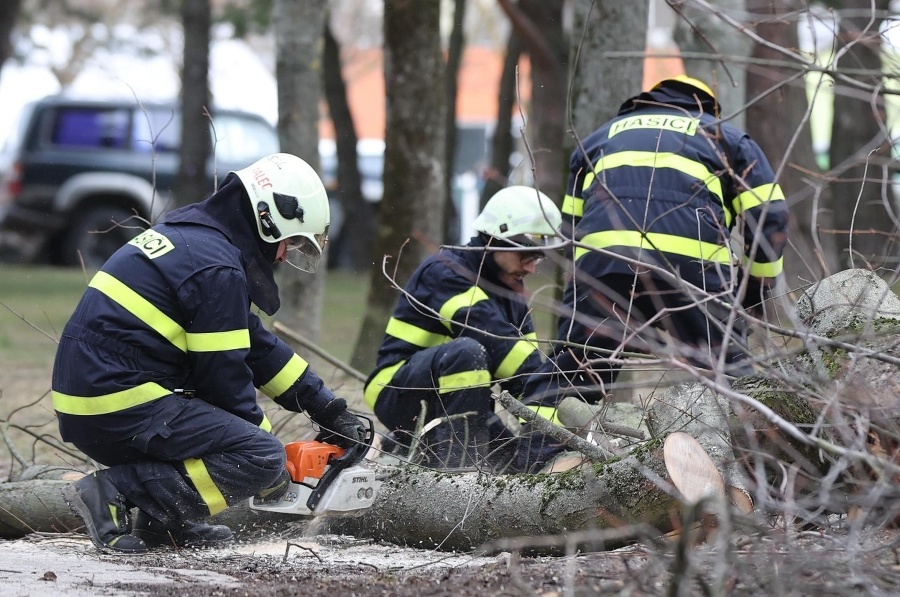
(461, 325)
(157, 371)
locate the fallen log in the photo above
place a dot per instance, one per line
(458, 510)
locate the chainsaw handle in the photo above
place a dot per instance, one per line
(351, 456)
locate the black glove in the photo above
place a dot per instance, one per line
(757, 292)
(339, 427)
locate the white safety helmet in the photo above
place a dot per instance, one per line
(520, 215)
(290, 204)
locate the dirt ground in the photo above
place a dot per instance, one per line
(836, 561)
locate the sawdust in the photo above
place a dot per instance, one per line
(827, 562)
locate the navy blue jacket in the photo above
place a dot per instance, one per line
(453, 294)
(171, 312)
(665, 182)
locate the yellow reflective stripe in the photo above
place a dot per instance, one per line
(655, 241)
(141, 308)
(672, 161)
(108, 403)
(573, 206)
(218, 341)
(284, 379)
(381, 379)
(266, 424)
(205, 486)
(517, 355)
(414, 334)
(767, 270)
(480, 378)
(757, 196)
(461, 301)
(548, 412)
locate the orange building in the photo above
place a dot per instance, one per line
(479, 77)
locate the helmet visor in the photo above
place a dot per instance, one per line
(303, 254)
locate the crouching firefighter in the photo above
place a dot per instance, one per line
(157, 371)
(461, 325)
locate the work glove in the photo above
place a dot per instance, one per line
(756, 294)
(339, 427)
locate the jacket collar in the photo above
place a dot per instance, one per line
(228, 210)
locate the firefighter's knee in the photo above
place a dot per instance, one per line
(269, 459)
(464, 354)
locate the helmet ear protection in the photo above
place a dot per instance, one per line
(287, 206)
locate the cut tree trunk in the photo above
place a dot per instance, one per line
(463, 510)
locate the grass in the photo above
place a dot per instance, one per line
(36, 302)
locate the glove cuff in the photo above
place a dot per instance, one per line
(326, 415)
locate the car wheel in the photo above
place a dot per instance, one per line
(95, 234)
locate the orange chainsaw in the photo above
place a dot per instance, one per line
(326, 479)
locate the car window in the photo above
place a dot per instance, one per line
(238, 140)
(157, 128)
(91, 128)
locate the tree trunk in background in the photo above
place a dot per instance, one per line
(360, 216)
(700, 31)
(9, 14)
(298, 70)
(542, 34)
(412, 218)
(811, 255)
(497, 174)
(538, 23)
(196, 144)
(600, 84)
(856, 134)
(455, 50)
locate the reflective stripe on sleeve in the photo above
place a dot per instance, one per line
(381, 379)
(463, 300)
(655, 241)
(108, 403)
(414, 334)
(573, 206)
(266, 424)
(284, 379)
(517, 355)
(218, 341)
(205, 486)
(757, 196)
(767, 270)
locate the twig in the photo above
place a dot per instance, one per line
(307, 344)
(555, 431)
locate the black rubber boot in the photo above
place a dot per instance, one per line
(184, 533)
(105, 513)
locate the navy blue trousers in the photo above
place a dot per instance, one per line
(193, 459)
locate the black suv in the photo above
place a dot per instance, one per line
(82, 177)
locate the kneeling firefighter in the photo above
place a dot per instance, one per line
(461, 325)
(157, 370)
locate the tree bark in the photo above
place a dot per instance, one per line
(412, 210)
(9, 14)
(196, 144)
(863, 212)
(360, 217)
(459, 510)
(298, 70)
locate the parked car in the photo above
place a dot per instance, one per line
(82, 177)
